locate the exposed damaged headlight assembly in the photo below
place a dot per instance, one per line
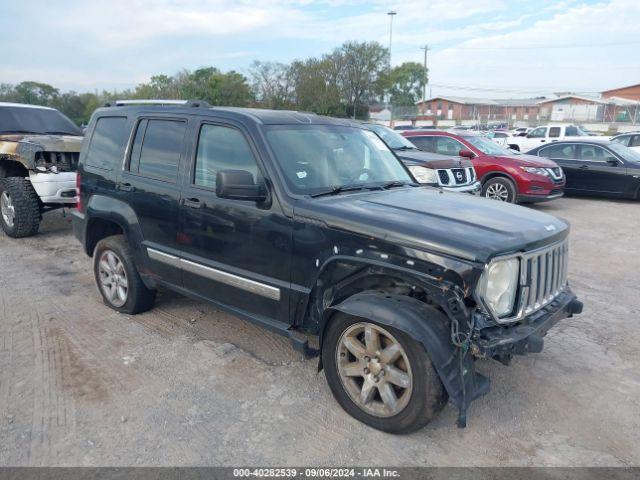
(499, 285)
(423, 175)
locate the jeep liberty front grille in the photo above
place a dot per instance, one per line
(543, 276)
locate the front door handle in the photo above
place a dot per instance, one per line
(126, 187)
(584, 167)
(192, 203)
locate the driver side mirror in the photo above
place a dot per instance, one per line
(239, 185)
(613, 161)
(466, 153)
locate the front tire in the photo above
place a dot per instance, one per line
(118, 279)
(501, 189)
(381, 376)
(19, 207)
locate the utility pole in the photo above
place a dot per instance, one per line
(426, 72)
(391, 15)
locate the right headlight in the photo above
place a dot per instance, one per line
(423, 175)
(499, 285)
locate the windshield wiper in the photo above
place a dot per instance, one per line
(397, 183)
(339, 189)
(406, 147)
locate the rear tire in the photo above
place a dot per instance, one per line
(117, 278)
(420, 395)
(20, 207)
(501, 189)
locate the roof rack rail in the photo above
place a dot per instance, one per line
(186, 103)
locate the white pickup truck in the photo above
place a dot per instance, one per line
(547, 134)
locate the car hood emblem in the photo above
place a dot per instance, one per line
(550, 228)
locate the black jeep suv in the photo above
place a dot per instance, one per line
(311, 226)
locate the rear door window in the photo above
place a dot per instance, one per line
(554, 132)
(107, 143)
(635, 141)
(157, 149)
(424, 143)
(558, 151)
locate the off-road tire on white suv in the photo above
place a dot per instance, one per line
(25, 204)
(137, 297)
(427, 395)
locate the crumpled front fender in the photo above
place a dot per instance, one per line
(430, 327)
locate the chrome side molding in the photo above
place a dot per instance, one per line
(214, 274)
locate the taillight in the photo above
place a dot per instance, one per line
(78, 197)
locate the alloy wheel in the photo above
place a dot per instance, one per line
(113, 278)
(497, 191)
(374, 369)
(7, 209)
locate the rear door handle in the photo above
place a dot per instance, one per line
(192, 203)
(126, 187)
(584, 167)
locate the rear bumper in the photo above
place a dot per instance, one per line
(473, 189)
(55, 187)
(527, 336)
(78, 224)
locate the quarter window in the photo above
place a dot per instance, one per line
(157, 148)
(107, 143)
(222, 148)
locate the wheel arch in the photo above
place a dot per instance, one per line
(497, 174)
(428, 326)
(107, 216)
(12, 168)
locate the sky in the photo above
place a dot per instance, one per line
(478, 48)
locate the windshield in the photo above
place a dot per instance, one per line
(488, 147)
(393, 139)
(315, 158)
(35, 120)
(625, 152)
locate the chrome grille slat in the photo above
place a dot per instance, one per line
(544, 276)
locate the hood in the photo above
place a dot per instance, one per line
(49, 143)
(428, 219)
(532, 160)
(431, 160)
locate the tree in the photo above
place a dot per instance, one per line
(272, 84)
(36, 93)
(406, 83)
(363, 63)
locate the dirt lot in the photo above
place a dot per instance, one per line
(185, 384)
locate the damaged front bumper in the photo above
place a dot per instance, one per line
(526, 336)
(501, 342)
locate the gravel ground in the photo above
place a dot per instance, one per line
(186, 384)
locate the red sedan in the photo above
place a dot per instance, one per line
(505, 175)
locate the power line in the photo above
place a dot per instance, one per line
(545, 47)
